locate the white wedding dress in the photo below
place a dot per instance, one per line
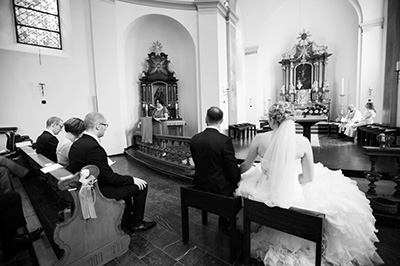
(349, 231)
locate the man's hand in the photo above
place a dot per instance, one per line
(140, 183)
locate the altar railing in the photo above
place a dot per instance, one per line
(168, 154)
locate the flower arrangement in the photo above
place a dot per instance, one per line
(316, 109)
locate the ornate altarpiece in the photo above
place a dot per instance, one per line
(159, 82)
(303, 73)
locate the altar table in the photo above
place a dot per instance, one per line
(176, 127)
(309, 121)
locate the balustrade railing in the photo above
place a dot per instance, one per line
(168, 154)
(174, 149)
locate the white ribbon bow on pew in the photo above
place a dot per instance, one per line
(87, 196)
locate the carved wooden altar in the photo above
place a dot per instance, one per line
(159, 82)
(303, 73)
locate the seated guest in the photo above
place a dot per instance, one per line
(366, 119)
(46, 143)
(160, 116)
(87, 150)
(353, 115)
(216, 169)
(13, 168)
(74, 128)
(11, 219)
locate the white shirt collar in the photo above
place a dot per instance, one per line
(93, 136)
(214, 127)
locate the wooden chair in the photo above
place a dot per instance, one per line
(299, 222)
(208, 202)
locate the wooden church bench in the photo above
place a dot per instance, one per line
(295, 221)
(367, 134)
(227, 207)
(44, 252)
(85, 241)
(242, 131)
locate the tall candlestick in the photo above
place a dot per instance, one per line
(342, 85)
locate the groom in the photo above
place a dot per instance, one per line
(216, 169)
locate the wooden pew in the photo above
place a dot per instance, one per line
(91, 241)
(45, 254)
(227, 207)
(295, 221)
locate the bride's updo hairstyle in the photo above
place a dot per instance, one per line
(281, 111)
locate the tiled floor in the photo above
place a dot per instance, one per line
(163, 245)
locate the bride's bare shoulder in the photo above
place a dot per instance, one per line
(263, 135)
(302, 142)
(301, 138)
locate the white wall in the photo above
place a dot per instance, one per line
(98, 68)
(272, 29)
(137, 28)
(66, 74)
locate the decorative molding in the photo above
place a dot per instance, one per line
(210, 7)
(251, 50)
(233, 17)
(170, 4)
(109, 1)
(371, 25)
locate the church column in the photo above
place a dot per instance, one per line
(212, 59)
(105, 66)
(231, 20)
(371, 66)
(391, 100)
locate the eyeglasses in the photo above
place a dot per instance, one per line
(104, 124)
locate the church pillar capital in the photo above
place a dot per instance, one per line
(376, 24)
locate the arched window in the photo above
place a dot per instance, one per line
(37, 22)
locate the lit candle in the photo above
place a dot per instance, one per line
(342, 85)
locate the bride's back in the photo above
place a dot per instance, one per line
(264, 139)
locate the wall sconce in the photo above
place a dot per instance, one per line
(41, 84)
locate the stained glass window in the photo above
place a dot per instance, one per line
(37, 23)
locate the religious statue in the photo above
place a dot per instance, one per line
(299, 84)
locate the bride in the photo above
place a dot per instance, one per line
(287, 176)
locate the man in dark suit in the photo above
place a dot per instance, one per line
(216, 169)
(87, 150)
(46, 143)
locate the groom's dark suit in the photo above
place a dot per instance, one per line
(216, 169)
(87, 150)
(46, 144)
